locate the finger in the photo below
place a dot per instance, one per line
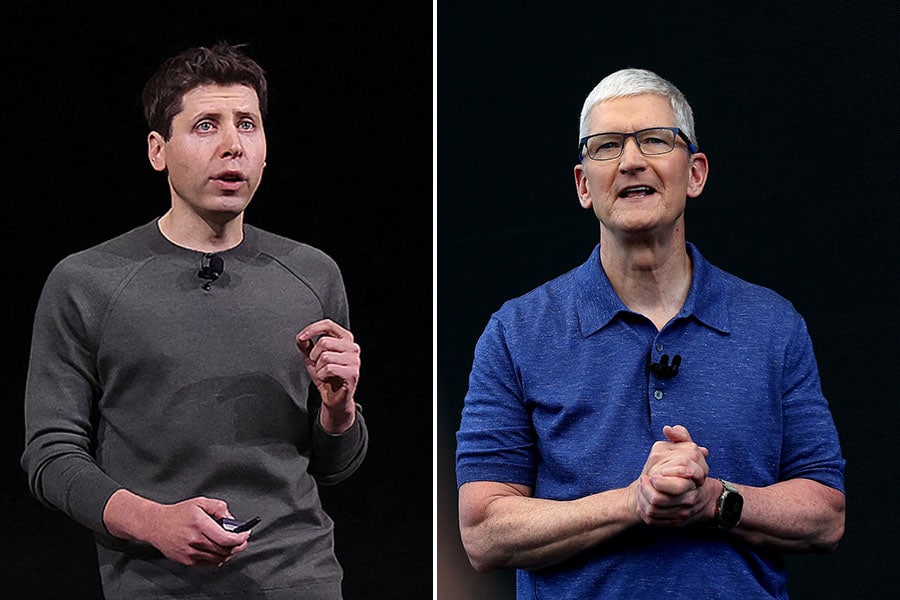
(672, 486)
(205, 558)
(689, 467)
(325, 327)
(235, 551)
(678, 470)
(657, 508)
(337, 351)
(222, 543)
(679, 433)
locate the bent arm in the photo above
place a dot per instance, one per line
(797, 515)
(502, 525)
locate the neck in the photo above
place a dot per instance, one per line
(651, 277)
(190, 230)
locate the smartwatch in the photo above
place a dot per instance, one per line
(729, 506)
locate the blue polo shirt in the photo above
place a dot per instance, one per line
(561, 399)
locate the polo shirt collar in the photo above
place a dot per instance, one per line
(597, 303)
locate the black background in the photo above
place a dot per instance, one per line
(795, 106)
(349, 171)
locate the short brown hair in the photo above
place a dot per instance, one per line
(223, 64)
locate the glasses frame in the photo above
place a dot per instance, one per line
(582, 143)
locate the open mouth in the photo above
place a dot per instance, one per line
(636, 191)
(229, 176)
(229, 181)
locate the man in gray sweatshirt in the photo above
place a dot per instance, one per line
(170, 370)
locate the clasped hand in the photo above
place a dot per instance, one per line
(670, 490)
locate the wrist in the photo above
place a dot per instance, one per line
(337, 421)
(714, 492)
(127, 515)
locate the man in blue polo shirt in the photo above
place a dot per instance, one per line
(646, 424)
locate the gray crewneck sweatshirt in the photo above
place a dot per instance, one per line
(142, 378)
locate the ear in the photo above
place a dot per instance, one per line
(582, 187)
(156, 151)
(699, 173)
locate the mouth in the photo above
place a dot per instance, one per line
(230, 176)
(636, 191)
(229, 180)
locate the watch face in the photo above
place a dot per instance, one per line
(730, 513)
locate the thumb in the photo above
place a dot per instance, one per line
(216, 508)
(304, 345)
(677, 433)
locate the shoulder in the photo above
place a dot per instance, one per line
(753, 299)
(546, 307)
(745, 308)
(81, 286)
(308, 265)
(297, 257)
(103, 265)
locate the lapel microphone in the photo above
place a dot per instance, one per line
(663, 368)
(211, 266)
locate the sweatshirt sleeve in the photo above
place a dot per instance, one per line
(60, 394)
(337, 457)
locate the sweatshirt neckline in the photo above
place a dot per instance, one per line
(164, 245)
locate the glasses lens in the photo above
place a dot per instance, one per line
(605, 146)
(656, 141)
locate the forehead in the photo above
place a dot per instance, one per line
(631, 113)
(219, 99)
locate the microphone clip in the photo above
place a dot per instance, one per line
(663, 368)
(211, 266)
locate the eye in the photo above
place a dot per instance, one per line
(205, 126)
(246, 125)
(658, 137)
(606, 142)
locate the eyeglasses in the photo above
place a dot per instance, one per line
(651, 142)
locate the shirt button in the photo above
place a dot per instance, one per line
(659, 346)
(658, 394)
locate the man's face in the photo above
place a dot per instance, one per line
(216, 151)
(636, 194)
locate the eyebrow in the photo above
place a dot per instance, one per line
(218, 115)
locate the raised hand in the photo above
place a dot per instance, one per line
(333, 362)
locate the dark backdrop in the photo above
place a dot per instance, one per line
(349, 171)
(789, 99)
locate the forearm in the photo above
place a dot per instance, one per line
(518, 531)
(799, 515)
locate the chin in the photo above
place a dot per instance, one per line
(234, 205)
(222, 215)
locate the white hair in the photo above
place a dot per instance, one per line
(633, 82)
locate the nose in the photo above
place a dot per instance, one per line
(632, 158)
(232, 146)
